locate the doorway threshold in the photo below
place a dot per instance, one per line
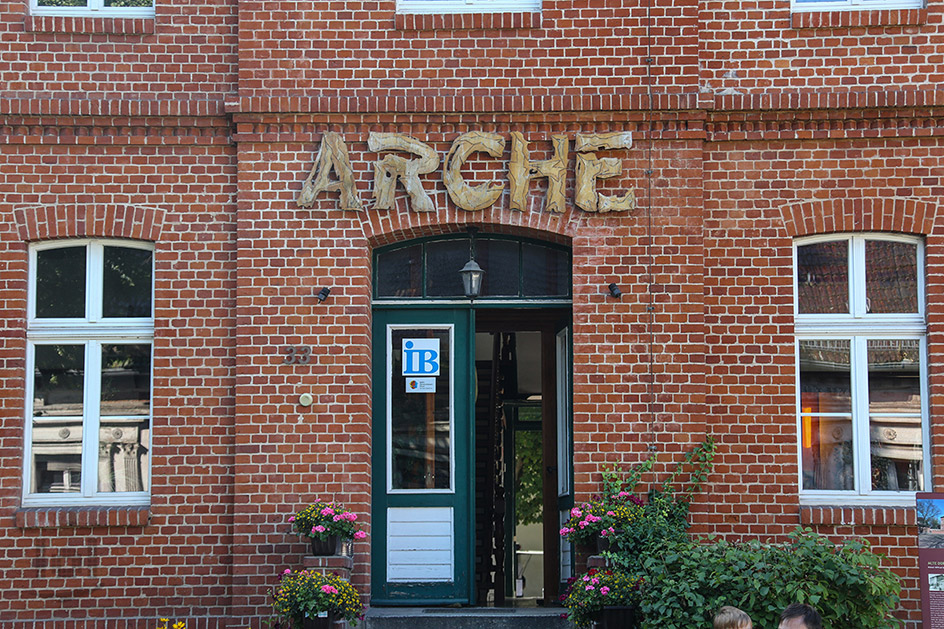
(465, 618)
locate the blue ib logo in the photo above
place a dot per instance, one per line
(421, 357)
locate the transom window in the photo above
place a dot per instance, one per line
(861, 364)
(468, 6)
(799, 6)
(514, 269)
(91, 8)
(89, 333)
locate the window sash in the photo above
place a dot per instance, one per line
(91, 422)
(468, 6)
(801, 6)
(93, 8)
(861, 424)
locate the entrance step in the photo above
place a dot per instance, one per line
(465, 618)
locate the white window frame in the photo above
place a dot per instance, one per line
(93, 8)
(812, 6)
(858, 327)
(92, 332)
(468, 6)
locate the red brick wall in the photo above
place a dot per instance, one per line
(185, 57)
(126, 567)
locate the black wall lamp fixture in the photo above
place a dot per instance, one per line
(323, 294)
(615, 292)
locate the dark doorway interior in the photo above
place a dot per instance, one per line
(516, 498)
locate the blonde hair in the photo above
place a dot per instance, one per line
(731, 618)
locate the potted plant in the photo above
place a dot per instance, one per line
(311, 600)
(325, 524)
(602, 519)
(609, 598)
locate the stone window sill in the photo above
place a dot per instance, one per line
(465, 21)
(81, 517)
(90, 25)
(852, 19)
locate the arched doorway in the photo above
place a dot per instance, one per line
(472, 429)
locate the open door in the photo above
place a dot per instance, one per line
(422, 449)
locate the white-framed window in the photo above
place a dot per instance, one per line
(90, 327)
(800, 6)
(861, 362)
(468, 6)
(93, 8)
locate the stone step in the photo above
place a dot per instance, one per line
(465, 618)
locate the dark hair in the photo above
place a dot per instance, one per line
(809, 615)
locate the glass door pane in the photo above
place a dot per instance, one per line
(420, 408)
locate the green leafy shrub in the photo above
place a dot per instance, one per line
(685, 582)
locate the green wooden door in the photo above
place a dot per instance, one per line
(423, 448)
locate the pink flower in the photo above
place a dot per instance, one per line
(603, 533)
(350, 517)
(604, 590)
(610, 513)
(327, 511)
(337, 518)
(287, 571)
(564, 532)
(329, 589)
(575, 512)
(360, 535)
(319, 529)
(586, 578)
(595, 581)
(291, 518)
(589, 588)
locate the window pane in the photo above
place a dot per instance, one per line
(826, 449)
(444, 260)
(895, 415)
(547, 271)
(62, 3)
(823, 277)
(126, 289)
(499, 258)
(825, 383)
(891, 276)
(58, 389)
(60, 282)
(420, 422)
(129, 3)
(126, 380)
(400, 272)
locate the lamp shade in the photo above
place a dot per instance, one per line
(472, 275)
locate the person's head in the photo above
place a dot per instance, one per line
(800, 616)
(732, 618)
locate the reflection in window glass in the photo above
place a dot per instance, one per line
(62, 3)
(60, 282)
(826, 415)
(400, 272)
(58, 403)
(891, 276)
(126, 289)
(420, 423)
(895, 414)
(129, 3)
(823, 277)
(825, 384)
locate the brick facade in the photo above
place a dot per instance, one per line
(195, 129)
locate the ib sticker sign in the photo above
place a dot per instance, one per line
(421, 357)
